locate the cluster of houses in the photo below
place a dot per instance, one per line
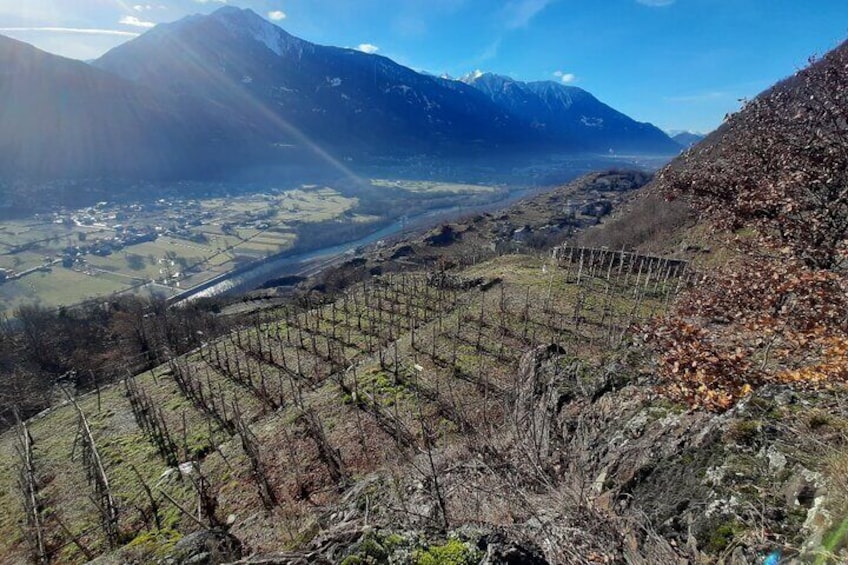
(103, 247)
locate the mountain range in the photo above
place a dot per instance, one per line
(568, 116)
(686, 138)
(210, 94)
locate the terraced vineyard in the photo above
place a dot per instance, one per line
(270, 427)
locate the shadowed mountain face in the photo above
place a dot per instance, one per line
(208, 96)
(570, 117)
(61, 118)
(354, 101)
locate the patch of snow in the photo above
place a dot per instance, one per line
(334, 82)
(472, 76)
(591, 122)
(260, 30)
(429, 105)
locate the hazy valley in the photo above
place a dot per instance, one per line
(298, 115)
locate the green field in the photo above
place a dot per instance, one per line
(198, 239)
(215, 235)
(60, 286)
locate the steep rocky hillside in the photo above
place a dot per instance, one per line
(761, 209)
(768, 190)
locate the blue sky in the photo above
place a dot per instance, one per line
(680, 64)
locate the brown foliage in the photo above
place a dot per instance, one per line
(696, 368)
(780, 312)
(755, 322)
(648, 220)
(781, 166)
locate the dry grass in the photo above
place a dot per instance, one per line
(423, 371)
(649, 224)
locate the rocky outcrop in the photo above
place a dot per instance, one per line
(595, 467)
(678, 484)
(206, 547)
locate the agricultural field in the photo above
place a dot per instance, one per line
(170, 245)
(419, 186)
(268, 425)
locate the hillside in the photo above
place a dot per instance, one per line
(64, 119)
(760, 208)
(394, 405)
(761, 203)
(484, 402)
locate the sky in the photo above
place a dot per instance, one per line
(679, 64)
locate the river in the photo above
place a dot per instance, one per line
(255, 275)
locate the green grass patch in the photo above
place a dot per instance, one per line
(452, 552)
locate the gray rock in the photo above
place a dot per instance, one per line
(207, 547)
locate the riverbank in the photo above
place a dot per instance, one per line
(311, 262)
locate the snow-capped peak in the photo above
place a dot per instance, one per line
(472, 76)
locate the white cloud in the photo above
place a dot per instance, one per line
(518, 13)
(276, 15)
(142, 7)
(135, 22)
(565, 78)
(89, 31)
(656, 3)
(213, 1)
(367, 48)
